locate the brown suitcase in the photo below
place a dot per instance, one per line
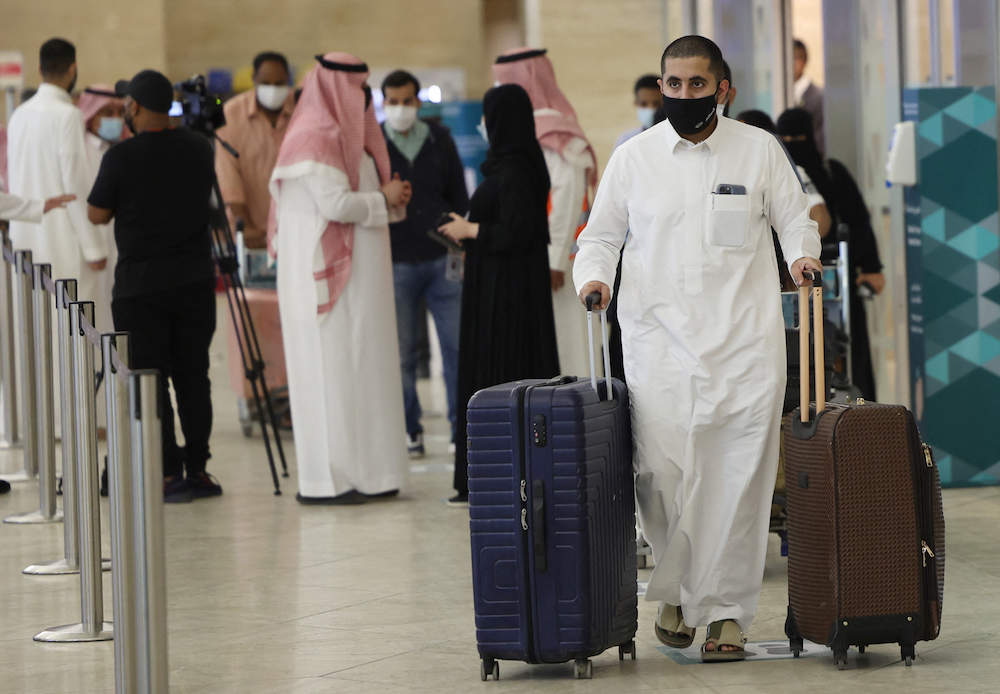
(865, 523)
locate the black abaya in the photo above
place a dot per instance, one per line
(508, 330)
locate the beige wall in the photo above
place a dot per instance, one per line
(113, 38)
(599, 49)
(386, 33)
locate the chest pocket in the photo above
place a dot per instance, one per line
(728, 219)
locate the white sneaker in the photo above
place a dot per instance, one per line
(415, 446)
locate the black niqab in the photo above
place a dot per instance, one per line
(797, 122)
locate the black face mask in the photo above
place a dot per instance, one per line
(690, 116)
(368, 96)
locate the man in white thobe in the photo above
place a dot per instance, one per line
(572, 169)
(702, 338)
(47, 156)
(334, 201)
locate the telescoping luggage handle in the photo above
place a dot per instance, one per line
(816, 288)
(592, 300)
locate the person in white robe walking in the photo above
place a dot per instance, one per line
(329, 228)
(572, 169)
(702, 339)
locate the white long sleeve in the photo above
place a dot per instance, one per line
(337, 202)
(13, 207)
(602, 239)
(787, 207)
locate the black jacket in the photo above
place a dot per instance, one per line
(438, 179)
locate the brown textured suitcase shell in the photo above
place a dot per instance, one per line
(865, 530)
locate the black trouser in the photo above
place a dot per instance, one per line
(171, 331)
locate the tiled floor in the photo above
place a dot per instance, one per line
(268, 597)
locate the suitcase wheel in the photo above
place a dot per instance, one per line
(489, 667)
(796, 646)
(583, 669)
(626, 648)
(909, 661)
(861, 649)
(840, 658)
(907, 653)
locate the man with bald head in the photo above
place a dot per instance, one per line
(702, 339)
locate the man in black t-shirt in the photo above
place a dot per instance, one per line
(157, 186)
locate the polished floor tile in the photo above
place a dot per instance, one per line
(268, 597)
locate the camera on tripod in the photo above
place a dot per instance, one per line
(201, 110)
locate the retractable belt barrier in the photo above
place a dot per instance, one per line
(135, 473)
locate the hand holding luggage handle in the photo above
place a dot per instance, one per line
(816, 288)
(592, 300)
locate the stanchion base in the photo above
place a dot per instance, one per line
(32, 517)
(74, 633)
(18, 477)
(60, 567)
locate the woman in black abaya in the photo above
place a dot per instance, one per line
(508, 330)
(846, 205)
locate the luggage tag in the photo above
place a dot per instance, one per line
(455, 266)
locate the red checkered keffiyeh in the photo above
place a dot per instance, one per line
(532, 70)
(331, 128)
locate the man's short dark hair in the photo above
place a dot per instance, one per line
(646, 82)
(400, 78)
(269, 57)
(56, 57)
(797, 45)
(696, 47)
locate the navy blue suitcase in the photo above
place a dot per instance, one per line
(552, 514)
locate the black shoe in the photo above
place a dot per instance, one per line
(176, 491)
(351, 498)
(203, 485)
(459, 500)
(4, 486)
(383, 495)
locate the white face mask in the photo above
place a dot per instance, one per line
(645, 116)
(400, 118)
(272, 96)
(482, 131)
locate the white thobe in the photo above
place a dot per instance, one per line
(704, 348)
(96, 149)
(47, 156)
(343, 367)
(568, 177)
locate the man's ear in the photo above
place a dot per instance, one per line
(725, 94)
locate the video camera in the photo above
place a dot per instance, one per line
(201, 111)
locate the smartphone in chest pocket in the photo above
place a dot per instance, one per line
(729, 215)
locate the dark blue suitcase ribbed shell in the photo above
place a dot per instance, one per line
(552, 514)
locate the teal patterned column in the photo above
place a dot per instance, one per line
(953, 266)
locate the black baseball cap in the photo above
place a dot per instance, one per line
(150, 89)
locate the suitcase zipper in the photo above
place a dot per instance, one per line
(926, 551)
(529, 627)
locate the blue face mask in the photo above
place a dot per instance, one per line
(110, 129)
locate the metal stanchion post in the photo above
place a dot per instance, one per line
(26, 358)
(46, 440)
(8, 368)
(121, 492)
(151, 584)
(70, 563)
(92, 626)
